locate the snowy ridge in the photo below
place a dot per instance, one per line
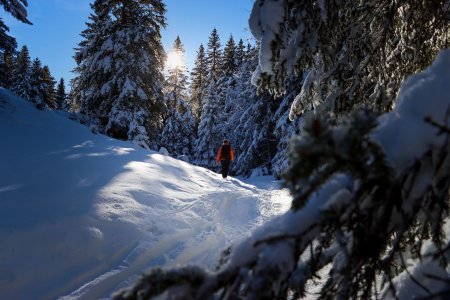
(82, 214)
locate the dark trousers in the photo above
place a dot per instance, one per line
(225, 167)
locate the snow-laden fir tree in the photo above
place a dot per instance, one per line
(209, 139)
(229, 57)
(240, 53)
(199, 83)
(6, 69)
(118, 87)
(61, 96)
(37, 88)
(17, 8)
(22, 82)
(48, 88)
(214, 58)
(355, 54)
(178, 133)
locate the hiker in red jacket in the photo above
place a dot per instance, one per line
(225, 156)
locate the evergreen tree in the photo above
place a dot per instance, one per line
(48, 88)
(199, 81)
(7, 43)
(179, 129)
(214, 56)
(61, 95)
(208, 138)
(240, 53)
(37, 88)
(229, 57)
(120, 70)
(177, 80)
(6, 69)
(17, 8)
(21, 84)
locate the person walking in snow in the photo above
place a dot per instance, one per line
(225, 156)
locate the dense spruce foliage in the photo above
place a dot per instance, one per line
(355, 54)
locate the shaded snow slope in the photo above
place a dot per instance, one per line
(82, 215)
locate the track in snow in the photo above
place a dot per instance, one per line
(215, 220)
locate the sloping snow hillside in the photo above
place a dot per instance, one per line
(82, 215)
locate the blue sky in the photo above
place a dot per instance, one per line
(58, 23)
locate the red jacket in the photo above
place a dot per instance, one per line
(219, 156)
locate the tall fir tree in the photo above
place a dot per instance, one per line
(214, 56)
(179, 125)
(22, 83)
(177, 79)
(208, 139)
(61, 96)
(229, 57)
(37, 89)
(240, 53)
(6, 69)
(48, 88)
(120, 70)
(199, 80)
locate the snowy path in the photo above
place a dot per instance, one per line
(215, 220)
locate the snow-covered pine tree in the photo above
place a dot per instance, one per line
(120, 70)
(356, 55)
(214, 58)
(6, 69)
(37, 88)
(61, 95)
(179, 125)
(209, 139)
(177, 78)
(240, 53)
(17, 8)
(48, 88)
(21, 84)
(229, 57)
(85, 94)
(199, 83)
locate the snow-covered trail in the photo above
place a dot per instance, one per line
(226, 213)
(82, 214)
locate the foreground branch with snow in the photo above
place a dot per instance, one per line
(371, 200)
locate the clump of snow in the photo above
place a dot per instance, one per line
(183, 158)
(404, 134)
(163, 151)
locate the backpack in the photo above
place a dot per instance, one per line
(225, 153)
